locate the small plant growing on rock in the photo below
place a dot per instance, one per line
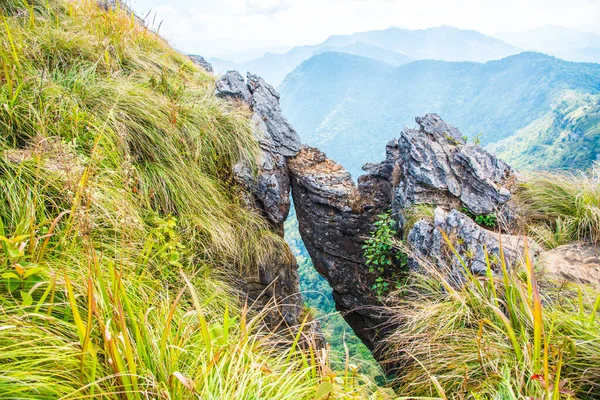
(379, 251)
(486, 220)
(452, 139)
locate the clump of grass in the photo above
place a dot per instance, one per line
(495, 336)
(563, 208)
(415, 214)
(121, 100)
(119, 220)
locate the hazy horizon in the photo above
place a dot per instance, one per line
(214, 28)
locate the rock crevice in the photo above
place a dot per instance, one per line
(267, 190)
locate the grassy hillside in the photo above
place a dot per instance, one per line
(373, 102)
(567, 137)
(121, 232)
(120, 226)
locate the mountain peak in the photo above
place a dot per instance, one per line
(393, 45)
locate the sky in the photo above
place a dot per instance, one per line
(220, 27)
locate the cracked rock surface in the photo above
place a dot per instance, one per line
(268, 190)
(432, 166)
(435, 166)
(278, 141)
(470, 241)
(335, 216)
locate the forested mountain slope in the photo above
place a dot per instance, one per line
(566, 138)
(351, 106)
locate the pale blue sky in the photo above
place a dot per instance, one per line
(213, 27)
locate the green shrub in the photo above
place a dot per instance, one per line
(489, 221)
(380, 255)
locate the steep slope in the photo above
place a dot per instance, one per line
(129, 245)
(559, 41)
(494, 99)
(394, 45)
(567, 137)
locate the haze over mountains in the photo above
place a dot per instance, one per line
(559, 41)
(351, 106)
(352, 93)
(395, 46)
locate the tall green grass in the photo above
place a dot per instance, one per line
(120, 224)
(121, 100)
(563, 208)
(500, 336)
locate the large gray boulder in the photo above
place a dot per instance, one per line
(278, 140)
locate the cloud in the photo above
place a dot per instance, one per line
(212, 27)
(266, 7)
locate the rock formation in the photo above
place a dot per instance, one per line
(470, 241)
(202, 63)
(277, 140)
(268, 190)
(334, 218)
(430, 166)
(436, 166)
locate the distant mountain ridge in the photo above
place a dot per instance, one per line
(559, 41)
(394, 46)
(351, 106)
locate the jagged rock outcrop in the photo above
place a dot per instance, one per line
(431, 166)
(576, 262)
(268, 190)
(202, 63)
(434, 165)
(334, 217)
(277, 139)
